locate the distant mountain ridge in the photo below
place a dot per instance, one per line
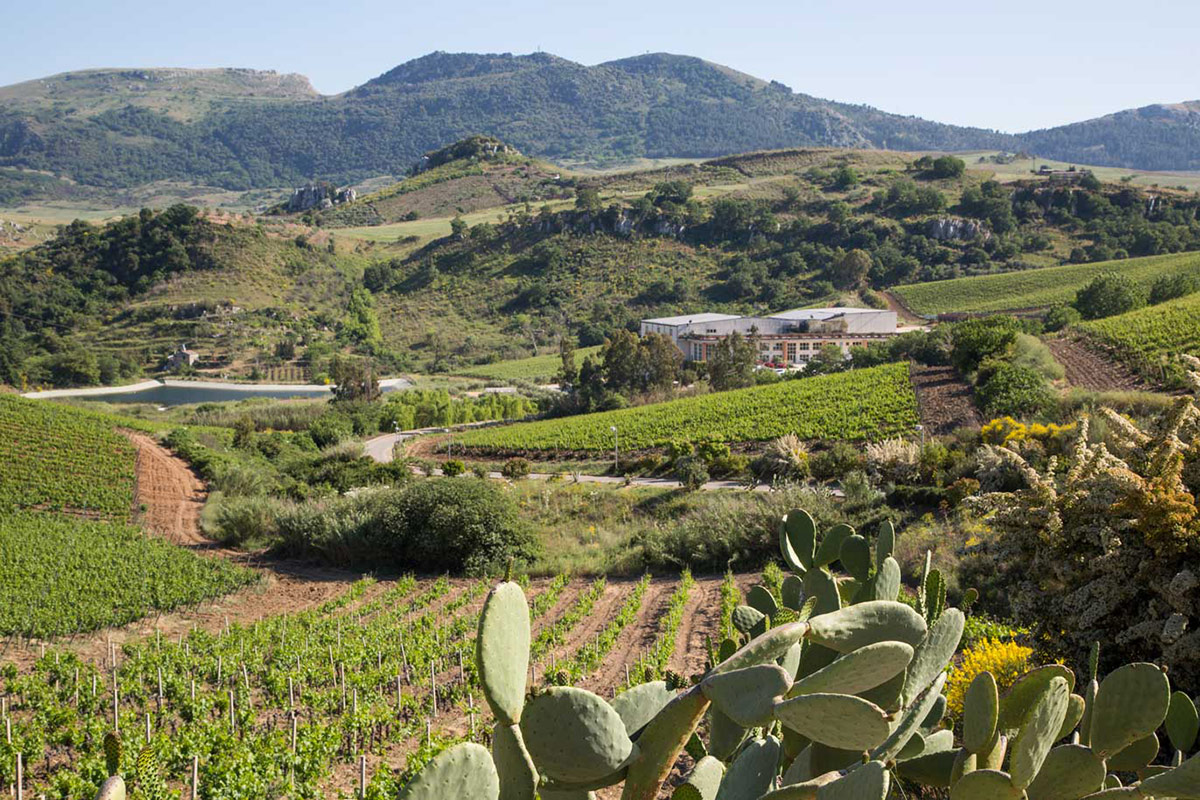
(240, 129)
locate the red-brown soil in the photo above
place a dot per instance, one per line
(1089, 368)
(943, 399)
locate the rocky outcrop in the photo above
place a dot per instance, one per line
(951, 229)
(320, 196)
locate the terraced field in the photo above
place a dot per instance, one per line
(862, 404)
(301, 704)
(1034, 288)
(62, 459)
(1145, 335)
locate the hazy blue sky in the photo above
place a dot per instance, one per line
(1011, 66)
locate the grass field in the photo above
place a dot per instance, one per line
(1035, 288)
(862, 404)
(1022, 169)
(1147, 334)
(58, 458)
(534, 368)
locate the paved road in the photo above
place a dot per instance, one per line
(380, 448)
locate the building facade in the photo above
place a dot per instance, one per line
(787, 339)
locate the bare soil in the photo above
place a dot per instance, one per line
(1090, 368)
(944, 400)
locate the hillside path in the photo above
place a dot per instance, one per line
(171, 494)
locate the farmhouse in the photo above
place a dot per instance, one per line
(182, 357)
(789, 338)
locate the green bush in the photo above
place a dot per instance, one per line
(836, 462)
(436, 525)
(1006, 389)
(515, 468)
(330, 429)
(239, 520)
(453, 468)
(1060, 317)
(691, 473)
(1109, 294)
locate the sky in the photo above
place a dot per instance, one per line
(1010, 66)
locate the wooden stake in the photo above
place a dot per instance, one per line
(195, 777)
(362, 778)
(20, 778)
(116, 705)
(293, 733)
(232, 723)
(291, 694)
(399, 696)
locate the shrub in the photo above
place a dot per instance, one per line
(330, 429)
(442, 524)
(453, 468)
(1010, 389)
(893, 460)
(238, 520)
(1007, 661)
(960, 490)
(728, 466)
(691, 473)
(836, 462)
(1109, 294)
(515, 468)
(976, 340)
(1170, 287)
(1059, 317)
(785, 458)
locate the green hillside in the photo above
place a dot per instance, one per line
(1035, 288)
(1146, 335)
(862, 404)
(534, 368)
(241, 129)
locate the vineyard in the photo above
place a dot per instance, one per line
(62, 459)
(63, 576)
(534, 368)
(1035, 288)
(1146, 334)
(862, 404)
(304, 704)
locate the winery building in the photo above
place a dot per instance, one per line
(789, 338)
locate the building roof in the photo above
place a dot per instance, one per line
(823, 313)
(691, 318)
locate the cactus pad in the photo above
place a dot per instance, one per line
(985, 784)
(837, 720)
(638, 705)
(1039, 732)
(464, 772)
(1070, 771)
(112, 752)
(748, 695)
(868, 782)
(799, 536)
(885, 543)
(752, 773)
(574, 736)
(514, 766)
(858, 625)
(765, 648)
(934, 654)
(760, 598)
(1182, 722)
(747, 619)
(1130, 704)
(831, 545)
(857, 671)
(112, 789)
(1183, 782)
(702, 782)
(981, 711)
(661, 743)
(886, 583)
(855, 556)
(792, 592)
(1021, 696)
(502, 651)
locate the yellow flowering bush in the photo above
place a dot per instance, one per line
(1006, 430)
(1007, 661)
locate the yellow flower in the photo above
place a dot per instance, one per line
(1007, 661)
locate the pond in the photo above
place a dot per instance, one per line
(178, 393)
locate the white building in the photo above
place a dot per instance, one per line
(789, 338)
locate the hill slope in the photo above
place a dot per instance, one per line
(275, 132)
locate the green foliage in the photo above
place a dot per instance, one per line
(66, 576)
(1146, 335)
(1109, 294)
(1059, 317)
(862, 404)
(63, 459)
(515, 468)
(1036, 288)
(1009, 389)
(977, 340)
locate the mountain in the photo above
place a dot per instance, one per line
(1157, 137)
(240, 129)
